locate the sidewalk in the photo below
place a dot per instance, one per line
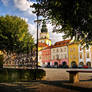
(56, 81)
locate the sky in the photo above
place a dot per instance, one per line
(22, 9)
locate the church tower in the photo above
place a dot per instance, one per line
(44, 35)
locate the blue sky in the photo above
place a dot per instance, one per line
(22, 9)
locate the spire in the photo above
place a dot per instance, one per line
(44, 27)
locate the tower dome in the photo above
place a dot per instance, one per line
(44, 27)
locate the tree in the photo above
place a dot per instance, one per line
(1, 61)
(75, 17)
(14, 35)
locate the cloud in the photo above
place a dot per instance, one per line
(24, 5)
(32, 30)
(5, 2)
(26, 19)
(54, 36)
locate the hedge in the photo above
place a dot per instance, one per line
(19, 75)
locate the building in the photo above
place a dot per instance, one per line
(42, 46)
(79, 56)
(62, 53)
(46, 57)
(73, 54)
(85, 56)
(59, 53)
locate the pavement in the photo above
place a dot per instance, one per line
(57, 80)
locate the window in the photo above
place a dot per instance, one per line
(61, 56)
(70, 49)
(87, 55)
(53, 57)
(64, 49)
(73, 49)
(61, 50)
(57, 56)
(74, 57)
(80, 55)
(53, 50)
(49, 57)
(80, 48)
(65, 56)
(57, 50)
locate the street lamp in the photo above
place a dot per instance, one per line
(38, 21)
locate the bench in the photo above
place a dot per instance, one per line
(74, 74)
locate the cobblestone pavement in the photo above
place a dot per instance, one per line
(57, 80)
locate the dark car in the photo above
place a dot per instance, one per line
(80, 66)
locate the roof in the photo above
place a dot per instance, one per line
(61, 43)
(42, 45)
(49, 47)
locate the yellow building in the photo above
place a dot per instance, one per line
(44, 37)
(73, 53)
(41, 46)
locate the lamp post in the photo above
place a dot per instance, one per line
(38, 21)
(37, 14)
(37, 44)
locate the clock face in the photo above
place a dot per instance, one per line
(47, 42)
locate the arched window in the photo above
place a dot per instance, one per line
(81, 63)
(64, 64)
(55, 64)
(73, 64)
(89, 64)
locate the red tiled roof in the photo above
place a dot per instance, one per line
(49, 47)
(61, 43)
(42, 45)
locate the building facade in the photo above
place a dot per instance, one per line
(46, 57)
(79, 55)
(59, 53)
(85, 56)
(73, 54)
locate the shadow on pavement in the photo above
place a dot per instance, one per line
(67, 85)
(19, 87)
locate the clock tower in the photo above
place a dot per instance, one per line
(44, 35)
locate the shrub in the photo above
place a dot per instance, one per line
(14, 75)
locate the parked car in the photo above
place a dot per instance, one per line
(85, 66)
(80, 66)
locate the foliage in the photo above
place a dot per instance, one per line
(13, 75)
(75, 17)
(14, 35)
